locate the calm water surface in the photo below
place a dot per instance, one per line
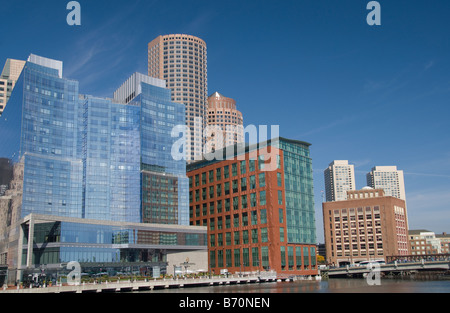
(336, 285)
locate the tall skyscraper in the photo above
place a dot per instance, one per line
(10, 74)
(99, 182)
(181, 60)
(339, 178)
(389, 179)
(223, 115)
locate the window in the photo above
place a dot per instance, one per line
(255, 235)
(255, 257)
(245, 219)
(243, 183)
(265, 257)
(263, 216)
(252, 182)
(262, 197)
(245, 236)
(281, 234)
(228, 258)
(235, 185)
(253, 200)
(264, 237)
(235, 203)
(254, 217)
(237, 257)
(244, 201)
(236, 238)
(227, 188)
(281, 216)
(227, 205)
(218, 190)
(251, 165)
(227, 221)
(283, 257)
(236, 220)
(246, 256)
(262, 179)
(203, 178)
(298, 257)
(226, 171)
(218, 174)
(234, 169)
(243, 167)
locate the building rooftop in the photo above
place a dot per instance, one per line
(238, 149)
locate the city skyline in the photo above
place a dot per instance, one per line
(373, 95)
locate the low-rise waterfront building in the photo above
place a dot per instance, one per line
(423, 242)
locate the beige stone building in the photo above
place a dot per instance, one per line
(367, 226)
(10, 74)
(181, 60)
(223, 116)
(424, 242)
(339, 178)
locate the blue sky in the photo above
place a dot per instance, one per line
(373, 95)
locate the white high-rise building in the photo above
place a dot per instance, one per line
(389, 179)
(9, 76)
(181, 60)
(339, 177)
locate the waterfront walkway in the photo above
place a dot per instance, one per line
(150, 284)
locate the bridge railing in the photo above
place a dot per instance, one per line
(417, 258)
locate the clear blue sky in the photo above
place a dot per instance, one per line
(373, 95)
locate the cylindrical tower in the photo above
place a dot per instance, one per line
(181, 61)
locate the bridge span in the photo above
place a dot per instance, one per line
(395, 268)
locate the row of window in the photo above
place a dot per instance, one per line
(208, 177)
(298, 258)
(239, 220)
(228, 203)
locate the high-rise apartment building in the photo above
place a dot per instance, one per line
(366, 226)
(10, 74)
(181, 60)
(259, 216)
(389, 179)
(224, 117)
(99, 183)
(339, 178)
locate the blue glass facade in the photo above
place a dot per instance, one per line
(111, 160)
(48, 145)
(90, 157)
(165, 186)
(95, 158)
(90, 243)
(299, 192)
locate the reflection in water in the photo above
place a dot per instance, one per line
(325, 286)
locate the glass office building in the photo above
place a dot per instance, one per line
(99, 181)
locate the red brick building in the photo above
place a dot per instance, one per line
(244, 207)
(367, 226)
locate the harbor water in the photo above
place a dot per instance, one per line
(336, 285)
